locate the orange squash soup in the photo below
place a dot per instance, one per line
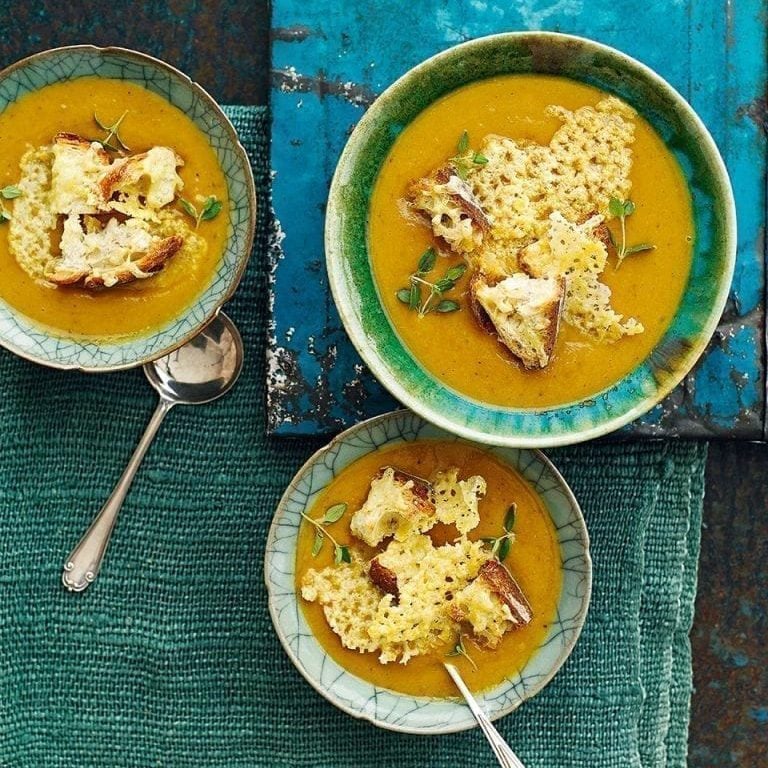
(127, 308)
(555, 318)
(531, 560)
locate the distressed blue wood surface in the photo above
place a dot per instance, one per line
(330, 60)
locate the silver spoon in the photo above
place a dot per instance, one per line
(506, 757)
(203, 369)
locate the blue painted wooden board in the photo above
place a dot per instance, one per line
(329, 61)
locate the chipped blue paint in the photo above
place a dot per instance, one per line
(327, 67)
(729, 356)
(759, 714)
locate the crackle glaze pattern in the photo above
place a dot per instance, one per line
(43, 345)
(382, 707)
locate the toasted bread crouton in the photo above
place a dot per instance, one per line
(501, 582)
(448, 205)
(78, 164)
(117, 252)
(141, 184)
(456, 501)
(398, 505)
(492, 604)
(478, 311)
(525, 313)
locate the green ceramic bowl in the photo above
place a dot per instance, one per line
(704, 298)
(44, 345)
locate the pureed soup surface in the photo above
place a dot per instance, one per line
(534, 561)
(452, 347)
(125, 310)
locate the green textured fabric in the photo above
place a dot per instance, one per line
(169, 659)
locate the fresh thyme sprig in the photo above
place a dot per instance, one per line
(412, 296)
(209, 209)
(113, 132)
(460, 650)
(500, 545)
(465, 158)
(621, 209)
(8, 193)
(332, 514)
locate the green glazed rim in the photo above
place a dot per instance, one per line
(706, 292)
(49, 347)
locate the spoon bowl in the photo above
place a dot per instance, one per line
(202, 370)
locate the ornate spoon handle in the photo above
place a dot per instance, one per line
(82, 565)
(506, 757)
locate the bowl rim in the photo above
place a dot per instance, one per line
(336, 267)
(239, 149)
(469, 723)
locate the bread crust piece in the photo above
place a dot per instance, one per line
(477, 309)
(75, 140)
(152, 261)
(384, 578)
(111, 180)
(422, 489)
(465, 199)
(501, 582)
(445, 195)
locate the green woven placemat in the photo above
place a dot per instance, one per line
(169, 659)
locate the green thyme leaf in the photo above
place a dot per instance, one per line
(461, 170)
(503, 549)
(334, 513)
(639, 247)
(616, 207)
(188, 208)
(509, 519)
(211, 209)
(113, 132)
(318, 543)
(463, 144)
(444, 284)
(414, 296)
(427, 261)
(629, 207)
(4, 216)
(10, 192)
(404, 295)
(479, 159)
(447, 305)
(454, 273)
(341, 554)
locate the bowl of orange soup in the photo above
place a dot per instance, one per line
(530, 239)
(128, 208)
(399, 547)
